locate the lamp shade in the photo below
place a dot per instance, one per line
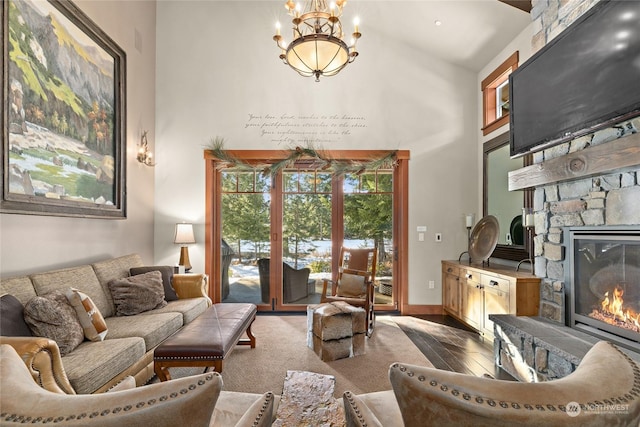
(184, 234)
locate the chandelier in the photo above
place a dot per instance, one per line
(318, 47)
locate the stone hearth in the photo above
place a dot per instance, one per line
(534, 349)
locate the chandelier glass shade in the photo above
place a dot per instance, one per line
(318, 47)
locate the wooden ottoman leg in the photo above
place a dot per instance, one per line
(161, 371)
(251, 340)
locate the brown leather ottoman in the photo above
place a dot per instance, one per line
(207, 340)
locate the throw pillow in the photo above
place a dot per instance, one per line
(52, 316)
(137, 294)
(351, 285)
(167, 279)
(12, 322)
(93, 324)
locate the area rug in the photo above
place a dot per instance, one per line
(282, 345)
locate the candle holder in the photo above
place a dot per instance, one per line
(528, 223)
(468, 218)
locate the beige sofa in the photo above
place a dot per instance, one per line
(95, 367)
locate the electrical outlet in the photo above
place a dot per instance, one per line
(432, 284)
(420, 237)
(438, 237)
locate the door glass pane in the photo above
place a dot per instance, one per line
(246, 234)
(306, 231)
(368, 221)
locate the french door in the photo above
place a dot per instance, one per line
(273, 239)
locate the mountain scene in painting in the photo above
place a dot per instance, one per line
(60, 108)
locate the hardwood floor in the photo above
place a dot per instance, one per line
(451, 346)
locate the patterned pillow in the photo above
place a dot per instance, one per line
(52, 316)
(137, 294)
(93, 324)
(351, 285)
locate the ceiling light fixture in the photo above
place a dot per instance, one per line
(318, 47)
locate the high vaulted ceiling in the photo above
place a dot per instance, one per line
(472, 32)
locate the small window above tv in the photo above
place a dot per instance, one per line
(585, 79)
(495, 95)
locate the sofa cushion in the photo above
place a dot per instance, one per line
(93, 364)
(190, 308)
(167, 278)
(82, 278)
(136, 294)
(153, 328)
(12, 322)
(20, 287)
(51, 316)
(187, 401)
(90, 318)
(114, 268)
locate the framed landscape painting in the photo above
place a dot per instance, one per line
(63, 113)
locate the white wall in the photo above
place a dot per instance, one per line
(522, 44)
(217, 63)
(30, 243)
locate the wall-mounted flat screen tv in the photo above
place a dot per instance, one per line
(585, 79)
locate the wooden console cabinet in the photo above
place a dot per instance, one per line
(470, 293)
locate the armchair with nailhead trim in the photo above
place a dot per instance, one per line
(194, 401)
(604, 390)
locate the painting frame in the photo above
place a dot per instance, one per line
(88, 152)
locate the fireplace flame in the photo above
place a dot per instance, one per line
(612, 308)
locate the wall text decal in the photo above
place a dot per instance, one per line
(290, 129)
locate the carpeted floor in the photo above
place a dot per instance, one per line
(282, 345)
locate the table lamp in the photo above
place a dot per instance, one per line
(184, 236)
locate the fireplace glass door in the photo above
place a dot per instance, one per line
(606, 285)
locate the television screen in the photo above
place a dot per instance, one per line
(587, 78)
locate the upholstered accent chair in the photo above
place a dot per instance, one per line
(195, 401)
(604, 390)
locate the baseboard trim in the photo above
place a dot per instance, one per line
(411, 309)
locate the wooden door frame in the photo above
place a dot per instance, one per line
(213, 219)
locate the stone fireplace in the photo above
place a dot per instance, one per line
(612, 199)
(551, 346)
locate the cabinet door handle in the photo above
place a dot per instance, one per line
(449, 270)
(493, 283)
(468, 275)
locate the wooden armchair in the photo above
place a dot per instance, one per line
(354, 282)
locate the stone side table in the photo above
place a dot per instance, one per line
(336, 330)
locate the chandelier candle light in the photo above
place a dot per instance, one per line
(318, 47)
